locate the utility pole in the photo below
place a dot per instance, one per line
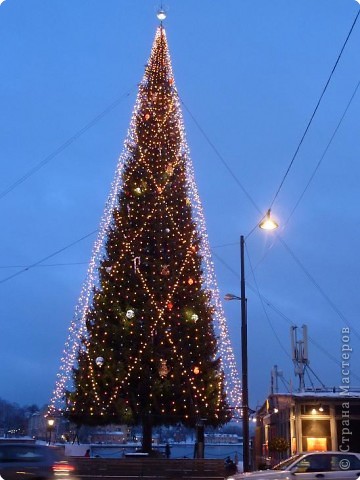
(244, 362)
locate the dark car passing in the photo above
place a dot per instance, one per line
(33, 462)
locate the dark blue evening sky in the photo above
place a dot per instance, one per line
(250, 73)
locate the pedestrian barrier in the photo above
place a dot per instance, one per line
(149, 468)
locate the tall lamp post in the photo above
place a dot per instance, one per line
(50, 424)
(266, 224)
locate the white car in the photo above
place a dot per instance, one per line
(310, 466)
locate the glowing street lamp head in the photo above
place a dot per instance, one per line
(268, 223)
(50, 422)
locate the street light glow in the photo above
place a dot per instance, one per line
(268, 223)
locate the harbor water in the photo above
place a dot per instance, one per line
(177, 450)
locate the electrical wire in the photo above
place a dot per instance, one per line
(226, 165)
(231, 244)
(222, 159)
(317, 378)
(35, 264)
(25, 267)
(315, 110)
(315, 170)
(63, 146)
(311, 278)
(263, 307)
(327, 298)
(286, 384)
(320, 290)
(46, 265)
(324, 153)
(114, 104)
(90, 124)
(256, 290)
(281, 314)
(297, 204)
(310, 379)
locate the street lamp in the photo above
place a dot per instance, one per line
(50, 424)
(266, 224)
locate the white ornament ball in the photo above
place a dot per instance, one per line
(194, 317)
(99, 361)
(130, 314)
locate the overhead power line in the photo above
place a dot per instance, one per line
(35, 264)
(315, 110)
(264, 309)
(45, 265)
(324, 153)
(62, 147)
(273, 307)
(318, 287)
(222, 159)
(66, 264)
(300, 264)
(311, 178)
(256, 290)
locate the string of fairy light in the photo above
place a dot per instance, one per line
(78, 328)
(104, 405)
(159, 317)
(232, 382)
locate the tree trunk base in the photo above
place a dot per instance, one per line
(147, 435)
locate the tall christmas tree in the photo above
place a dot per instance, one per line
(147, 352)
